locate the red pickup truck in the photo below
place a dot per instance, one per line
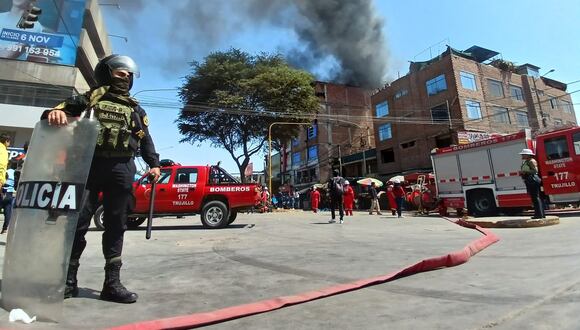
(188, 190)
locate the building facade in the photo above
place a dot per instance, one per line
(459, 97)
(30, 85)
(337, 139)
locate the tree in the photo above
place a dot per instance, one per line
(232, 97)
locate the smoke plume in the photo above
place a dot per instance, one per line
(347, 33)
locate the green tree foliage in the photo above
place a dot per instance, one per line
(226, 96)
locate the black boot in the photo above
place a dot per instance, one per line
(71, 290)
(113, 290)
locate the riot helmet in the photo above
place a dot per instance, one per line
(105, 67)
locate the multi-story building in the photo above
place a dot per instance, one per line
(55, 61)
(458, 97)
(341, 137)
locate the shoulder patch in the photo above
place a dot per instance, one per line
(146, 120)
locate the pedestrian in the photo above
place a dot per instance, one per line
(112, 168)
(7, 198)
(19, 160)
(335, 191)
(391, 198)
(314, 199)
(399, 193)
(529, 173)
(374, 199)
(348, 198)
(4, 144)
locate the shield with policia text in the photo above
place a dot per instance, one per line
(42, 229)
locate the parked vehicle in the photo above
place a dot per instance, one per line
(208, 191)
(484, 176)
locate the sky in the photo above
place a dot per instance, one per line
(164, 37)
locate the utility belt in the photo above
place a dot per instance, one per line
(113, 153)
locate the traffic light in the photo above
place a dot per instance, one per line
(29, 17)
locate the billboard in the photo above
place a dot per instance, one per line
(53, 39)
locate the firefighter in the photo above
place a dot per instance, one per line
(123, 129)
(529, 173)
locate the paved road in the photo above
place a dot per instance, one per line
(529, 280)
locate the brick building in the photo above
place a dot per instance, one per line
(458, 97)
(342, 132)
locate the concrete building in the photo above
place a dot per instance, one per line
(30, 86)
(340, 135)
(459, 97)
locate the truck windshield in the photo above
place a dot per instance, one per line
(219, 176)
(164, 178)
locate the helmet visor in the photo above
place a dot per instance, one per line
(124, 63)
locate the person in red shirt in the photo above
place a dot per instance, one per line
(399, 193)
(314, 199)
(348, 198)
(391, 197)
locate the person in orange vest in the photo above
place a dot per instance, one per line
(314, 199)
(348, 198)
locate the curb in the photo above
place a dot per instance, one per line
(550, 220)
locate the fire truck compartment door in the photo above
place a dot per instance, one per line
(447, 174)
(475, 167)
(507, 162)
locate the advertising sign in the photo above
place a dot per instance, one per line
(470, 137)
(54, 37)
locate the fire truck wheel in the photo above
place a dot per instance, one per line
(214, 215)
(233, 215)
(481, 203)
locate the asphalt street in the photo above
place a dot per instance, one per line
(528, 280)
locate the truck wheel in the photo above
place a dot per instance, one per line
(98, 218)
(233, 215)
(133, 223)
(214, 215)
(481, 203)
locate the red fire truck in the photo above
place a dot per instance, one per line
(484, 176)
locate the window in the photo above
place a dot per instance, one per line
(576, 143)
(556, 148)
(566, 106)
(311, 132)
(553, 102)
(388, 155)
(516, 93)
(400, 93)
(296, 159)
(220, 176)
(473, 109)
(468, 80)
(312, 152)
(408, 145)
(295, 142)
(163, 179)
(500, 115)
(436, 85)
(186, 175)
(522, 119)
(495, 88)
(385, 132)
(382, 109)
(440, 113)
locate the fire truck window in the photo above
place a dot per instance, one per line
(186, 175)
(219, 176)
(164, 178)
(556, 148)
(577, 143)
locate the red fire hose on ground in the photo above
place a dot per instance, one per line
(229, 313)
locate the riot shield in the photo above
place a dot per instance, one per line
(45, 217)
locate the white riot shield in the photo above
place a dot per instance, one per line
(45, 217)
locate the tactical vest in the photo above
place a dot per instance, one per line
(116, 126)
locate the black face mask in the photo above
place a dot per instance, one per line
(120, 86)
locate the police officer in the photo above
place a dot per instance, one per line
(123, 128)
(529, 172)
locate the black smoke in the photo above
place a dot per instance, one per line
(348, 33)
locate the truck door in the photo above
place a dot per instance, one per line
(558, 158)
(185, 192)
(162, 197)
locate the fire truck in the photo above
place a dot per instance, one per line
(484, 176)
